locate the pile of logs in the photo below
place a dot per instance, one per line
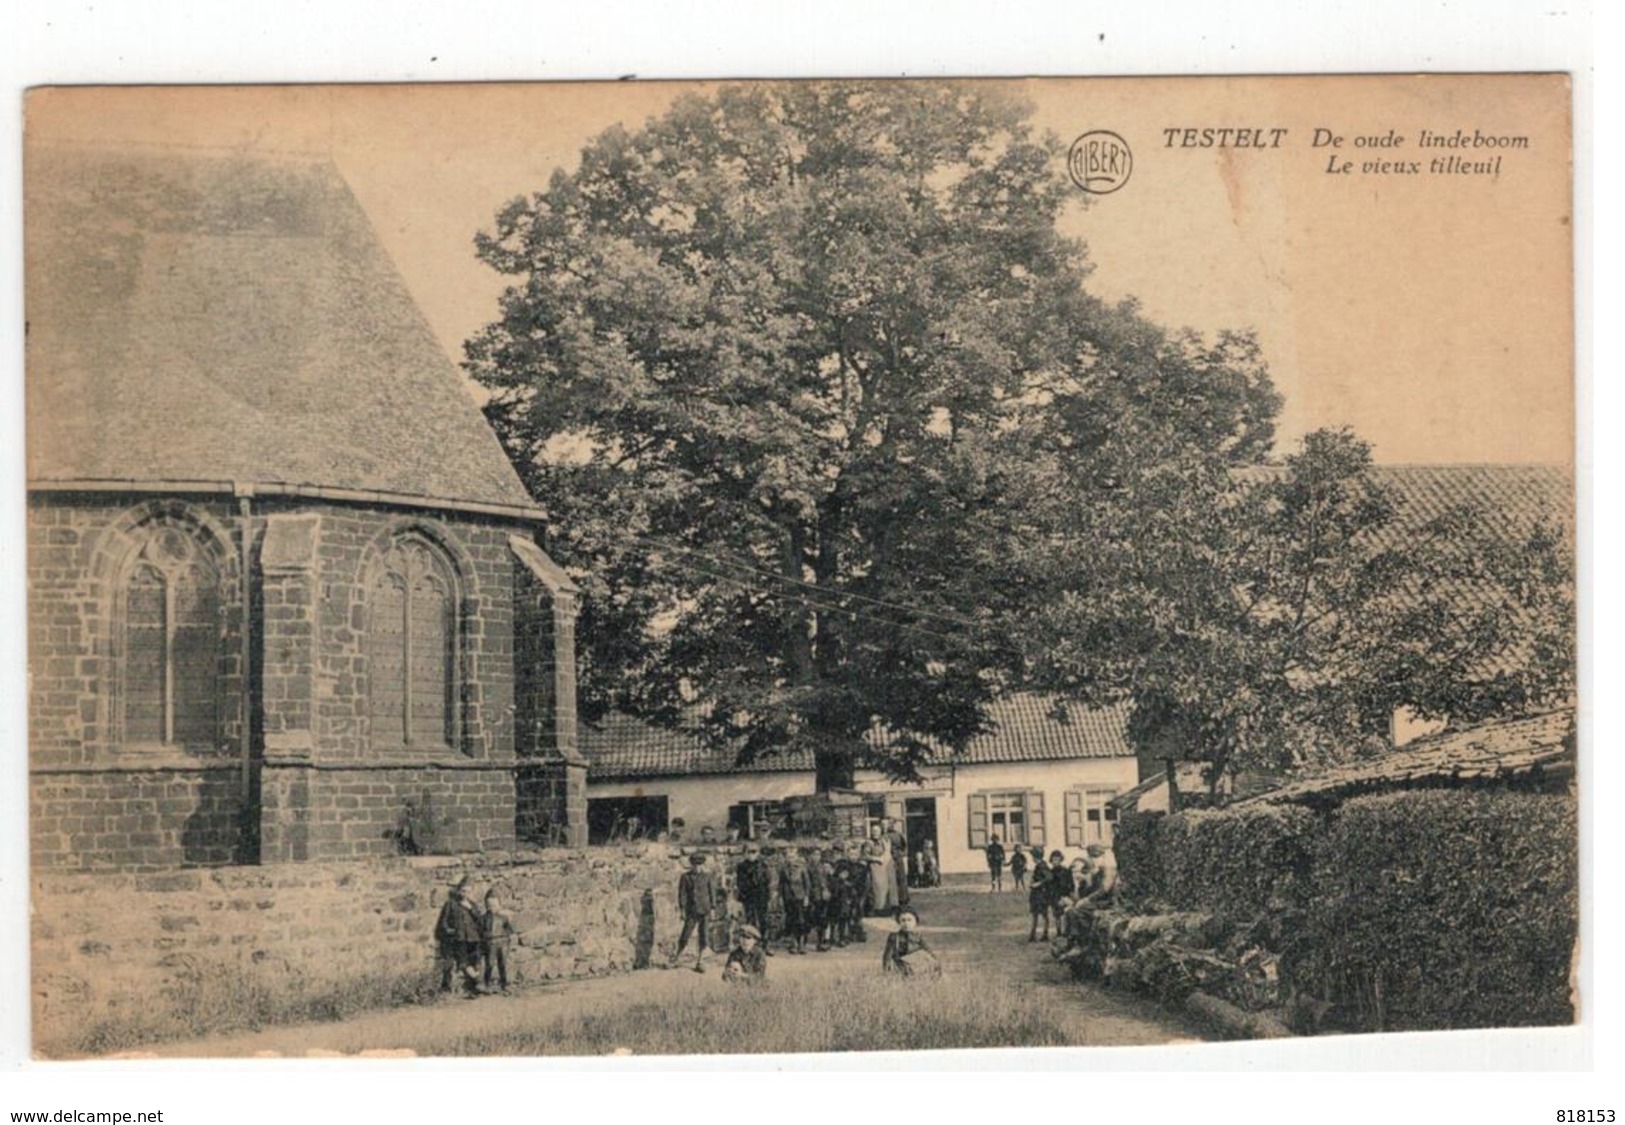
(1183, 957)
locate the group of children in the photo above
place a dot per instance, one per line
(824, 893)
(906, 953)
(1055, 885)
(468, 939)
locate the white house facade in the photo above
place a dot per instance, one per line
(1044, 777)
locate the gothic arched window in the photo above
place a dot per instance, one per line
(412, 647)
(173, 633)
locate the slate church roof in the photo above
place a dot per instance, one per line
(225, 318)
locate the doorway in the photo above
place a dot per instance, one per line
(622, 818)
(920, 827)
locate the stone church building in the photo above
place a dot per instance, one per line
(283, 579)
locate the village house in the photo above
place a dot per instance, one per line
(282, 578)
(1044, 777)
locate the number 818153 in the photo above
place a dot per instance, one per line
(1585, 1117)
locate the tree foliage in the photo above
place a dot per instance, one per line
(833, 432)
(1278, 616)
(778, 364)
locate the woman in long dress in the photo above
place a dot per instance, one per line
(882, 874)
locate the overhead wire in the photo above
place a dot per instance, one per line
(728, 560)
(831, 604)
(828, 607)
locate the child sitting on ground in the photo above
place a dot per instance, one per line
(747, 963)
(906, 952)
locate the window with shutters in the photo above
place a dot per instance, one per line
(411, 647)
(1090, 817)
(1015, 816)
(172, 634)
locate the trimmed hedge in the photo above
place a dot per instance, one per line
(1239, 864)
(1405, 911)
(1445, 909)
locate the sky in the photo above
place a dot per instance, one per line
(1431, 312)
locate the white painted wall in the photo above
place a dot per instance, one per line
(705, 800)
(954, 788)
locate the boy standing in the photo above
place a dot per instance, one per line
(995, 865)
(819, 883)
(859, 890)
(696, 898)
(795, 892)
(1038, 896)
(496, 937)
(755, 891)
(1060, 884)
(457, 935)
(1018, 868)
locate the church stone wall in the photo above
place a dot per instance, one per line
(314, 787)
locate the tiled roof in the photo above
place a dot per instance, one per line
(1487, 752)
(225, 318)
(1028, 729)
(1511, 499)
(1509, 502)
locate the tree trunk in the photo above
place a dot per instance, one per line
(834, 768)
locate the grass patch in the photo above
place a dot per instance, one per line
(212, 1000)
(783, 1017)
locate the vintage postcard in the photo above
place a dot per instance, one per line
(799, 566)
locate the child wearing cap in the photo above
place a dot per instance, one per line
(457, 936)
(753, 883)
(906, 952)
(696, 898)
(1103, 873)
(747, 963)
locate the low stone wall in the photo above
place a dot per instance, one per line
(119, 959)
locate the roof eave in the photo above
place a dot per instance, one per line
(527, 513)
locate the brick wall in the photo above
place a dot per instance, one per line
(75, 545)
(310, 813)
(326, 789)
(138, 821)
(119, 958)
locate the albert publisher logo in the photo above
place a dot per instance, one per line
(1100, 162)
